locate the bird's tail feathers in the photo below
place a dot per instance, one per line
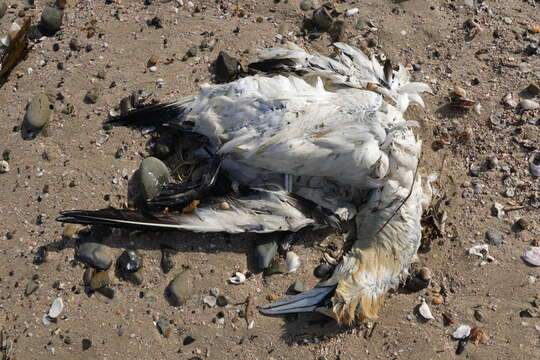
(153, 115)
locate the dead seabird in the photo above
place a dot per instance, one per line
(312, 149)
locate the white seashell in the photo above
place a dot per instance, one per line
(532, 257)
(293, 261)
(479, 250)
(462, 332)
(238, 278)
(351, 12)
(56, 308)
(534, 164)
(529, 104)
(425, 311)
(46, 320)
(251, 324)
(210, 301)
(477, 109)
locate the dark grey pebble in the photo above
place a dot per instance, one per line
(51, 19)
(322, 271)
(153, 174)
(188, 340)
(130, 261)
(92, 95)
(40, 256)
(298, 287)
(494, 237)
(86, 344)
(226, 67)
(265, 251)
(522, 224)
(322, 19)
(167, 262)
(222, 301)
(479, 316)
(277, 266)
(75, 44)
(95, 255)
(107, 292)
(192, 51)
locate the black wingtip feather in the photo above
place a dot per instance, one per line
(149, 115)
(273, 65)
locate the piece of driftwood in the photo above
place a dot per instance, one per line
(17, 49)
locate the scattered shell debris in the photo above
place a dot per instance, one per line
(238, 278)
(293, 261)
(425, 311)
(532, 257)
(462, 332)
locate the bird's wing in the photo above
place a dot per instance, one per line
(349, 68)
(256, 210)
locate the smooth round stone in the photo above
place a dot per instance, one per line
(222, 301)
(181, 288)
(322, 271)
(3, 9)
(38, 112)
(494, 237)
(99, 280)
(154, 174)
(95, 255)
(51, 19)
(277, 266)
(306, 5)
(31, 287)
(130, 261)
(265, 251)
(322, 19)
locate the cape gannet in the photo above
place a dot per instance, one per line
(315, 148)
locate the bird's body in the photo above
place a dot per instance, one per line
(311, 150)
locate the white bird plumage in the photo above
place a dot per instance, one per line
(337, 130)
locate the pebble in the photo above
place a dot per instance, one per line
(298, 287)
(277, 266)
(51, 19)
(153, 60)
(226, 67)
(222, 301)
(95, 255)
(4, 166)
(92, 95)
(492, 163)
(3, 9)
(322, 19)
(533, 89)
(129, 261)
(38, 112)
(188, 340)
(322, 271)
(306, 5)
(99, 280)
(265, 251)
(192, 51)
(164, 328)
(86, 344)
(153, 174)
(75, 44)
(494, 237)
(522, 224)
(167, 262)
(210, 301)
(107, 292)
(181, 288)
(31, 287)
(40, 256)
(101, 75)
(479, 316)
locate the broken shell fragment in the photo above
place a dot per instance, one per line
(459, 91)
(462, 332)
(528, 104)
(479, 250)
(238, 278)
(293, 261)
(532, 257)
(425, 311)
(56, 308)
(210, 301)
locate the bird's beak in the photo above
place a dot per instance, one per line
(315, 300)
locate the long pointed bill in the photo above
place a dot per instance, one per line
(309, 301)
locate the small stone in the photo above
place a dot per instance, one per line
(417, 67)
(437, 300)
(51, 20)
(86, 344)
(162, 151)
(31, 287)
(479, 316)
(92, 95)
(192, 51)
(181, 288)
(322, 271)
(533, 89)
(494, 237)
(188, 340)
(226, 67)
(265, 251)
(3, 9)
(210, 301)
(522, 224)
(164, 328)
(322, 19)
(129, 261)
(75, 44)
(531, 49)
(38, 112)
(222, 301)
(298, 287)
(167, 262)
(99, 280)
(153, 174)
(277, 266)
(101, 75)
(95, 255)
(106, 291)
(306, 5)
(40, 256)
(4, 166)
(153, 60)
(492, 162)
